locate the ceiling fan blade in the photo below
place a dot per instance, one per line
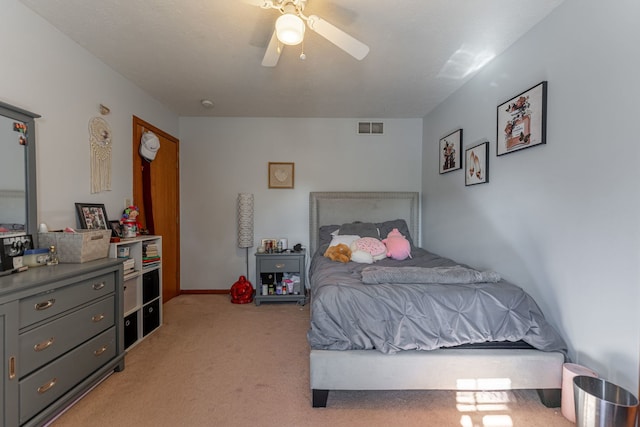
(344, 41)
(272, 54)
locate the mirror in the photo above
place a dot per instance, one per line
(18, 197)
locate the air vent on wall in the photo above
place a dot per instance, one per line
(370, 128)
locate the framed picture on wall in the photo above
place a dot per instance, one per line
(451, 152)
(522, 120)
(281, 175)
(476, 164)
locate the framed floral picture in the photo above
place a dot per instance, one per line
(476, 164)
(451, 152)
(522, 120)
(281, 175)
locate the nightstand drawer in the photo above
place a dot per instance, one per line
(278, 265)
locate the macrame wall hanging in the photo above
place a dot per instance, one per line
(100, 140)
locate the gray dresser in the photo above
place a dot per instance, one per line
(61, 332)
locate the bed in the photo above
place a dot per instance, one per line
(356, 344)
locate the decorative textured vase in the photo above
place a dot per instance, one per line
(242, 291)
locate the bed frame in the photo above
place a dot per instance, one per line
(443, 369)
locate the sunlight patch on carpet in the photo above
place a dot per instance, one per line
(476, 404)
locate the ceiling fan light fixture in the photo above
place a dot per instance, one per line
(290, 29)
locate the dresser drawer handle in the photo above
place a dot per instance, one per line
(279, 265)
(44, 345)
(98, 286)
(46, 304)
(46, 387)
(97, 318)
(12, 367)
(99, 351)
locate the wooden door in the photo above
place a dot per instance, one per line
(165, 199)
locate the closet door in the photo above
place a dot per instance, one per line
(165, 200)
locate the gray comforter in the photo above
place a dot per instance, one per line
(347, 314)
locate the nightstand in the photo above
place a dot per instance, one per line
(275, 271)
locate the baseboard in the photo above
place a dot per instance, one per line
(204, 291)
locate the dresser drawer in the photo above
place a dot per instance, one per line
(44, 386)
(40, 307)
(279, 265)
(41, 345)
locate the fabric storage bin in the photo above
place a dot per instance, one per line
(130, 329)
(150, 286)
(150, 317)
(81, 246)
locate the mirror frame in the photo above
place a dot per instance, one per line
(31, 189)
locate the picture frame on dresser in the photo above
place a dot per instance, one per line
(116, 228)
(11, 251)
(92, 216)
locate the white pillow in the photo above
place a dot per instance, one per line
(347, 239)
(362, 257)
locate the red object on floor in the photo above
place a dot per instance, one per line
(242, 291)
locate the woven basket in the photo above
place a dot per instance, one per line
(79, 247)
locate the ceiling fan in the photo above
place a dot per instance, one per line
(290, 26)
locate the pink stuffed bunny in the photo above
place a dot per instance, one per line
(398, 246)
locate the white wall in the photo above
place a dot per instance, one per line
(560, 219)
(45, 72)
(221, 157)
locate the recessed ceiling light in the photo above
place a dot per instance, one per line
(206, 103)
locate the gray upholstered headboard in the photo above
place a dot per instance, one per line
(327, 208)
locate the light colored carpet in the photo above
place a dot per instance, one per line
(214, 363)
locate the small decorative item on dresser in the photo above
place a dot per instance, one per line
(53, 256)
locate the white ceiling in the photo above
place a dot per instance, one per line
(183, 51)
